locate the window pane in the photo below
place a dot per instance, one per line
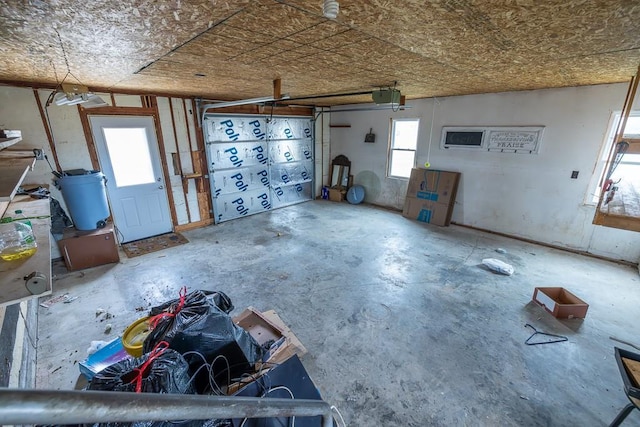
(633, 126)
(405, 134)
(129, 154)
(401, 163)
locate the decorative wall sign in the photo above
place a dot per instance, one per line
(515, 140)
(503, 139)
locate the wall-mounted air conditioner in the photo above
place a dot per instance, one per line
(463, 137)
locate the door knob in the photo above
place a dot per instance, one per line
(161, 187)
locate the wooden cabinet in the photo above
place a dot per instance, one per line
(84, 249)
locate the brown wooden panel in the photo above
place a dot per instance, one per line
(47, 130)
(13, 172)
(193, 225)
(614, 221)
(204, 205)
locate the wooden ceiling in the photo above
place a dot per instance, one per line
(235, 49)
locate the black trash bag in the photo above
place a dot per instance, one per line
(216, 349)
(220, 299)
(166, 372)
(59, 219)
(160, 371)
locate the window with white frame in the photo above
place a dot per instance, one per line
(627, 171)
(403, 143)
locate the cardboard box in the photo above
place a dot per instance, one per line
(433, 185)
(560, 303)
(427, 211)
(84, 249)
(268, 326)
(336, 195)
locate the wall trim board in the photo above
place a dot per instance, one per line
(193, 225)
(264, 110)
(163, 160)
(184, 129)
(47, 130)
(549, 245)
(185, 183)
(628, 223)
(186, 122)
(168, 135)
(94, 89)
(205, 211)
(88, 136)
(118, 111)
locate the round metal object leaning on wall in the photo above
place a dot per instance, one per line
(355, 194)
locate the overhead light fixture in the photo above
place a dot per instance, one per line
(73, 93)
(330, 9)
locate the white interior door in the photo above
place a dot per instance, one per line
(129, 156)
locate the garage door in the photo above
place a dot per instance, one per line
(258, 163)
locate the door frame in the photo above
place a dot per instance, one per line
(131, 111)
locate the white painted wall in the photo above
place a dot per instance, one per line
(19, 110)
(529, 196)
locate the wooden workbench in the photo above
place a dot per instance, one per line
(12, 273)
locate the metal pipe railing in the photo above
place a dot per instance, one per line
(20, 406)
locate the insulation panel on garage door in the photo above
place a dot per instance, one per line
(258, 163)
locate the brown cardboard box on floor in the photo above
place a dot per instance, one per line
(268, 326)
(427, 211)
(336, 195)
(434, 185)
(431, 195)
(560, 303)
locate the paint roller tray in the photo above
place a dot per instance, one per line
(629, 365)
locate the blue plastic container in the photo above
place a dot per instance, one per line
(86, 199)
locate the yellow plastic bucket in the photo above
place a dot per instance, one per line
(134, 336)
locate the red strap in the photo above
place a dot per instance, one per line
(153, 322)
(142, 370)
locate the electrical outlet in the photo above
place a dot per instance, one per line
(574, 175)
(38, 154)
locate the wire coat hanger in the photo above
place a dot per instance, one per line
(559, 338)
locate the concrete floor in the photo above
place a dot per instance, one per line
(403, 325)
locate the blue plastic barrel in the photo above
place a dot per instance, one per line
(86, 199)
